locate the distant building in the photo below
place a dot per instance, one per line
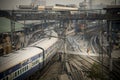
(97, 4)
(38, 2)
(86, 4)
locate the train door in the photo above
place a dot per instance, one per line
(6, 78)
(41, 60)
(10, 77)
(44, 57)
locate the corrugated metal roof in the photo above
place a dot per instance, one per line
(5, 25)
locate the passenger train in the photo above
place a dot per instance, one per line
(23, 63)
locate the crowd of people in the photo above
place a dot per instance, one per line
(19, 39)
(7, 45)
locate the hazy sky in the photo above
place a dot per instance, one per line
(13, 3)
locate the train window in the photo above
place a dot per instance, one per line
(11, 76)
(27, 67)
(22, 70)
(15, 74)
(33, 64)
(18, 72)
(7, 78)
(36, 61)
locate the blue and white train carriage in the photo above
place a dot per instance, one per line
(22, 63)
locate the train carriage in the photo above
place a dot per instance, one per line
(23, 63)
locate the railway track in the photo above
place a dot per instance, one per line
(116, 67)
(77, 67)
(102, 57)
(87, 61)
(49, 72)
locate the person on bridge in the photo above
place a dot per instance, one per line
(88, 49)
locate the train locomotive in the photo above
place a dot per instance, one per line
(23, 63)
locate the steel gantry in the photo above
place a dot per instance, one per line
(63, 15)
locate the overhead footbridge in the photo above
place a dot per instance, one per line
(96, 14)
(62, 15)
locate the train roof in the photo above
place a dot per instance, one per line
(47, 41)
(17, 57)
